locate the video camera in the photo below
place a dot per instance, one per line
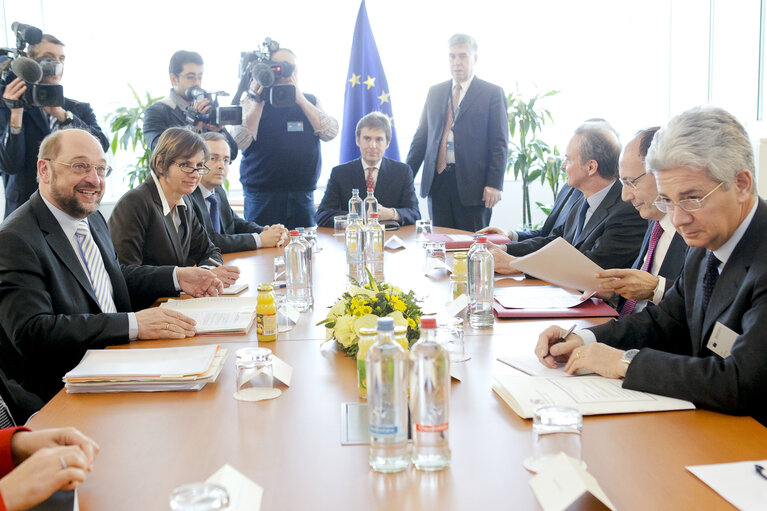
(218, 115)
(258, 66)
(17, 64)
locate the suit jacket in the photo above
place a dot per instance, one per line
(611, 238)
(236, 233)
(566, 198)
(164, 114)
(674, 360)
(143, 235)
(481, 133)
(49, 314)
(18, 153)
(394, 189)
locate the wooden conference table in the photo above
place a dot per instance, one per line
(154, 442)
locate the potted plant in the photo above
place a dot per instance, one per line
(127, 126)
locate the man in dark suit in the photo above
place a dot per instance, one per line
(661, 257)
(462, 140)
(176, 109)
(391, 180)
(224, 227)
(24, 129)
(600, 225)
(705, 341)
(62, 289)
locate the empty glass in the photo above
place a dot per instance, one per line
(199, 497)
(450, 335)
(555, 429)
(422, 227)
(254, 369)
(279, 269)
(310, 235)
(434, 257)
(339, 225)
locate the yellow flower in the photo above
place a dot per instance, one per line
(397, 304)
(344, 331)
(410, 322)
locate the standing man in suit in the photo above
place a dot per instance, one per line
(604, 228)
(462, 141)
(176, 109)
(661, 257)
(23, 129)
(392, 180)
(62, 289)
(224, 227)
(705, 341)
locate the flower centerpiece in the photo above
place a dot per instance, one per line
(360, 307)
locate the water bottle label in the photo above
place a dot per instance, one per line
(266, 324)
(383, 430)
(428, 428)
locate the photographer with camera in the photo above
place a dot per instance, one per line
(25, 125)
(187, 104)
(280, 141)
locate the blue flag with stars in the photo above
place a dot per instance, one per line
(366, 89)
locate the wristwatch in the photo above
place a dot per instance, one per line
(628, 356)
(69, 118)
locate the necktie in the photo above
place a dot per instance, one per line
(96, 271)
(215, 219)
(709, 279)
(581, 220)
(369, 183)
(657, 232)
(451, 109)
(6, 421)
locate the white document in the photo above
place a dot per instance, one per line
(150, 362)
(394, 242)
(218, 314)
(561, 264)
(235, 289)
(563, 481)
(738, 483)
(536, 297)
(244, 494)
(590, 395)
(529, 364)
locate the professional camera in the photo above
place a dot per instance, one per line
(18, 64)
(258, 66)
(218, 115)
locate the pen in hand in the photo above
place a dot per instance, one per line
(552, 342)
(760, 470)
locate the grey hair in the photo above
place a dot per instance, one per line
(707, 139)
(600, 143)
(461, 39)
(375, 120)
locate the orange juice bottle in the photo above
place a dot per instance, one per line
(266, 314)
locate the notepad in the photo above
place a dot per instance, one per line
(218, 315)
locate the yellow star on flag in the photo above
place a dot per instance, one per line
(384, 97)
(354, 80)
(370, 82)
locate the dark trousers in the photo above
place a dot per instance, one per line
(446, 210)
(290, 208)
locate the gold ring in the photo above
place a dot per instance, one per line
(167, 326)
(578, 355)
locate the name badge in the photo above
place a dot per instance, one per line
(296, 126)
(450, 145)
(721, 340)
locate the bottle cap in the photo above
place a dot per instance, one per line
(373, 215)
(428, 322)
(385, 324)
(370, 190)
(353, 215)
(357, 190)
(294, 232)
(481, 239)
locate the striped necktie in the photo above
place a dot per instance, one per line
(657, 232)
(96, 271)
(6, 420)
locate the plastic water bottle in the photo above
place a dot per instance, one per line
(298, 271)
(481, 275)
(355, 250)
(374, 247)
(370, 205)
(386, 369)
(430, 399)
(355, 203)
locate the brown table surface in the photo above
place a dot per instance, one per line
(153, 442)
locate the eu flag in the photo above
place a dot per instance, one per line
(366, 89)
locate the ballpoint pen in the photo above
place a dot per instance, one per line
(552, 342)
(760, 470)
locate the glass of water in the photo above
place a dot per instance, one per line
(339, 225)
(199, 497)
(422, 228)
(555, 429)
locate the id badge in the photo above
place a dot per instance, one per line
(721, 340)
(295, 126)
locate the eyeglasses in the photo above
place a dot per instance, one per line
(82, 168)
(188, 168)
(632, 182)
(216, 158)
(191, 76)
(689, 205)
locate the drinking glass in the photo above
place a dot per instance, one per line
(254, 368)
(450, 335)
(339, 225)
(435, 256)
(555, 429)
(422, 228)
(199, 497)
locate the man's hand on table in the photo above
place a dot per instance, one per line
(597, 357)
(199, 282)
(162, 323)
(502, 260)
(228, 275)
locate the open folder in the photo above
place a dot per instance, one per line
(219, 315)
(465, 241)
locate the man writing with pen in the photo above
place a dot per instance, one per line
(704, 342)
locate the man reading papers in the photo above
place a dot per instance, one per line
(704, 342)
(62, 289)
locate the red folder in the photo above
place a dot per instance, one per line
(592, 308)
(498, 239)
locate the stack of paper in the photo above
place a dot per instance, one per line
(146, 370)
(218, 315)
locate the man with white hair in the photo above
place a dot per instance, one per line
(704, 342)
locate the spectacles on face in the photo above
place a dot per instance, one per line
(188, 168)
(191, 77)
(216, 158)
(689, 205)
(632, 182)
(82, 168)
